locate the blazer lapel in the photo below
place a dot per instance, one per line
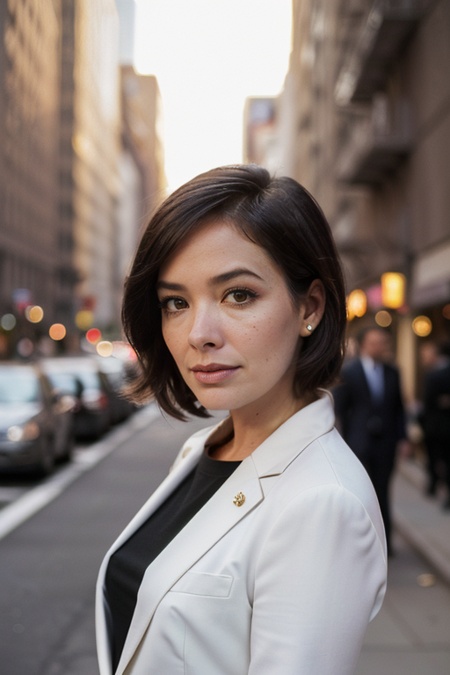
(201, 533)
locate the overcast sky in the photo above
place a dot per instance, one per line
(208, 56)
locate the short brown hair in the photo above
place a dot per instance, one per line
(279, 215)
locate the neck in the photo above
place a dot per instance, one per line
(252, 425)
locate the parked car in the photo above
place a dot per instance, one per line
(115, 371)
(36, 423)
(81, 378)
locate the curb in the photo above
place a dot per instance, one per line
(412, 534)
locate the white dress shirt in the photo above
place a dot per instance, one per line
(374, 373)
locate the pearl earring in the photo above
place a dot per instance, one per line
(309, 327)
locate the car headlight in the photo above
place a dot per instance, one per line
(27, 432)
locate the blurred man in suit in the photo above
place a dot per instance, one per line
(436, 420)
(370, 411)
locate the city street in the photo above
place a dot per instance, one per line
(49, 563)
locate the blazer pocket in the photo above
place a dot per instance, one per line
(212, 585)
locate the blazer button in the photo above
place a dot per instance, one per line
(239, 499)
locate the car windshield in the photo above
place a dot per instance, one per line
(70, 381)
(18, 386)
(65, 383)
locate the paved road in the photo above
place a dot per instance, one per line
(49, 564)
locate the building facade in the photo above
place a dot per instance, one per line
(30, 47)
(364, 124)
(81, 167)
(142, 177)
(90, 142)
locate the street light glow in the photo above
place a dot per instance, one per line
(34, 313)
(105, 348)
(93, 336)
(8, 321)
(57, 331)
(422, 326)
(383, 318)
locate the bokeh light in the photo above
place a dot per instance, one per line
(8, 321)
(57, 331)
(25, 348)
(446, 312)
(422, 326)
(393, 289)
(121, 349)
(383, 318)
(34, 313)
(356, 304)
(84, 319)
(105, 348)
(93, 336)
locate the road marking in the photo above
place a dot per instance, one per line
(34, 500)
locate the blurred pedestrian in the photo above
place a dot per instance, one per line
(370, 412)
(263, 550)
(436, 421)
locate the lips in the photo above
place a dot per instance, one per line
(213, 372)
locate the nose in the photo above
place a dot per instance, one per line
(206, 332)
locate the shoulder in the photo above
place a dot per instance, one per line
(350, 475)
(330, 475)
(334, 514)
(441, 375)
(352, 369)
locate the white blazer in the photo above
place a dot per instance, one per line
(284, 583)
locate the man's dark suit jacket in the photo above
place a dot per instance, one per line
(365, 424)
(437, 405)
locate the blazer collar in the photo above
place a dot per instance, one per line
(275, 454)
(221, 513)
(285, 443)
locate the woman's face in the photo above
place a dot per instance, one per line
(228, 320)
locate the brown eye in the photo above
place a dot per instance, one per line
(240, 296)
(175, 304)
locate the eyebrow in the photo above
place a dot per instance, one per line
(219, 279)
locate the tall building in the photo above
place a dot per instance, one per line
(89, 159)
(142, 176)
(29, 121)
(260, 141)
(143, 125)
(364, 123)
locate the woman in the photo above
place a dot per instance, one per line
(263, 551)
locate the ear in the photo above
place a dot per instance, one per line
(312, 308)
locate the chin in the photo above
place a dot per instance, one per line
(214, 403)
(216, 399)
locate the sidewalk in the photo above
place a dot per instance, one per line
(419, 519)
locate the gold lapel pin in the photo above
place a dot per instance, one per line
(239, 499)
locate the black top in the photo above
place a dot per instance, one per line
(127, 565)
